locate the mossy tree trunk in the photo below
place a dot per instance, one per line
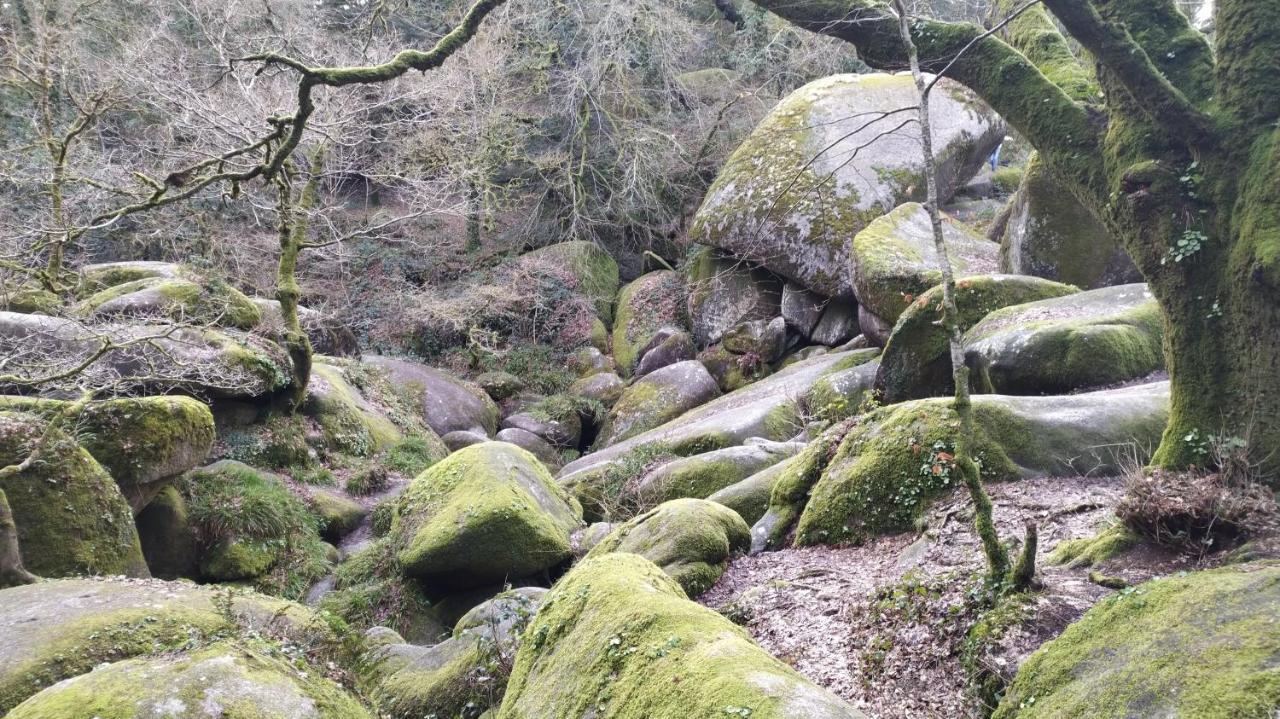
(292, 228)
(12, 572)
(1171, 142)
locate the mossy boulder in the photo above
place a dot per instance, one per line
(174, 298)
(594, 650)
(732, 371)
(668, 346)
(702, 475)
(59, 629)
(500, 385)
(603, 387)
(467, 672)
(917, 359)
(725, 291)
(70, 515)
(485, 514)
(894, 259)
(841, 390)
(646, 305)
(1049, 234)
(657, 398)
(750, 497)
(1202, 644)
(141, 442)
(891, 465)
(764, 341)
(98, 277)
(534, 444)
(594, 271)
(350, 423)
(30, 299)
(339, 514)
(167, 537)
(447, 403)
(689, 539)
(815, 172)
(222, 680)
(1090, 339)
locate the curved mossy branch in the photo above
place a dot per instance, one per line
(1034, 35)
(1247, 36)
(1066, 132)
(1181, 52)
(1116, 50)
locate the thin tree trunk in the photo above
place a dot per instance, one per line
(12, 572)
(293, 225)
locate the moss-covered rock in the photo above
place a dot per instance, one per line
(840, 391)
(54, 630)
(29, 299)
(339, 514)
(703, 474)
(690, 539)
(1108, 543)
(763, 340)
(732, 371)
(894, 259)
(1195, 645)
(70, 516)
(98, 277)
(897, 459)
(603, 387)
(750, 497)
(917, 361)
(447, 403)
(594, 270)
(594, 650)
(724, 292)
(223, 680)
(500, 385)
(350, 423)
(487, 513)
(657, 398)
(1059, 345)
(174, 298)
(167, 537)
(646, 305)
(815, 172)
(1049, 234)
(141, 442)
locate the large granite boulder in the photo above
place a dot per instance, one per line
(657, 398)
(816, 171)
(704, 474)
(223, 680)
(1053, 346)
(69, 513)
(645, 306)
(1202, 644)
(182, 299)
(750, 497)
(448, 403)
(689, 539)
(141, 442)
(487, 513)
(1048, 233)
(595, 650)
(895, 260)
(725, 291)
(917, 358)
(349, 422)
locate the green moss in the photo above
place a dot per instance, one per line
(649, 303)
(889, 467)
(370, 590)
(916, 361)
(71, 517)
(593, 650)
(1110, 542)
(1199, 645)
(690, 539)
(985, 681)
(239, 679)
(32, 301)
(101, 277)
(233, 560)
(486, 513)
(278, 443)
(191, 300)
(595, 270)
(349, 423)
(339, 515)
(412, 455)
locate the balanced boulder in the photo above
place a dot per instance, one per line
(645, 306)
(724, 291)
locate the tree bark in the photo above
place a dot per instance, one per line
(12, 572)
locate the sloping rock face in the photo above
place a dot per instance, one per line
(1196, 645)
(54, 630)
(895, 260)
(1049, 234)
(889, 467)
(226, 679)
(917, 358)
(487, 513)
(350, 422)
(448, 403)
(155, 359)
(596, 649)
(69, 513)
(689, 539)
(657, 398)
(724, 292)
(1089, 339)
(162, 298)
(701, 475)
(809, 178)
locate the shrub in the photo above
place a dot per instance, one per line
(1195, 511)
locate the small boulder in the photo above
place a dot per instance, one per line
(801, 309)
(917, 359)
(750, 497)
(894, 259)
(758, 338)
(560, 428)
(704, 474)
(594, 650)
(448, 403)
(646, 305)
(1054, 346)
(486, 514)
(458, 439)
(500, 385)
(838, 325)
(667, 347)
(657, 398)
(689, 539)
(532, 443)
(604, 387)
(339, 514)
(725, 291)
(586, 361)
